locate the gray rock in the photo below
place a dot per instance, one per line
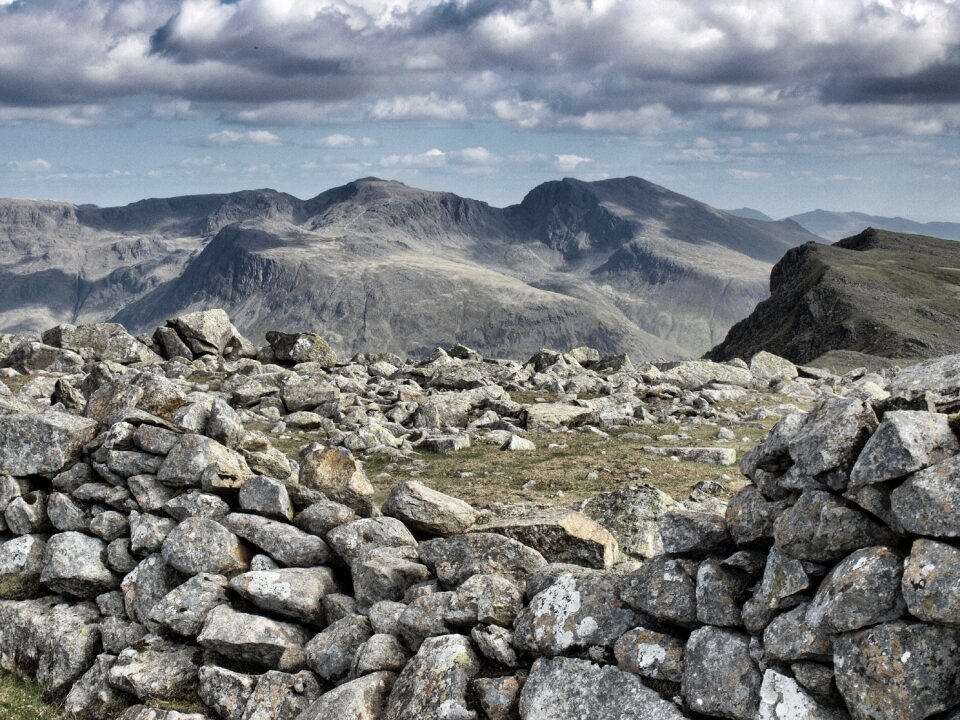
(496, 644)
(34, 356)
(574, 612)
(928, 502)
(489, 599)
(27, 514)
(321, 517)
(720, 594)
(147, 585)
(330, 653)
(335, 473)
(156, 440)
(75, 565)
(253, 639)
(66, 514)
(687, 532)
(92, 697)
(184, 609)
(579, 690)
(201, 545)
(384, 616)
(498, 697)
(832, 436)
(455, 559)
(768, 367)
(67, 640)
(284, 543)
(266, 496)
(194, 503)
(42, 443)
(119, 558)
(632, 515)
(650, 654)
(664, 588)
(427, 511)
(282, 695)
(821, 527)
(386, 573)
(157, 670)
(148, 532)
(899, 670)
(209, 332)
(21, 565)
(938, 377)
(784, 578)
(750, 517)
(379, 653)
(118, 634)
(789, 637)
(863, 589)
(109, 525)
(931, 582)
(193, 454)
(353, 540)
(301, 348)
(360, 699)
(781, 698)
(905, 441)
(224, 691)
(720, 677)
(548, 417)
(434, 684)
(292, 592)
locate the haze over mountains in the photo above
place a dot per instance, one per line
(623, 265)
(833, 226)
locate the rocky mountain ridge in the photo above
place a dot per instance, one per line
(879, 293)
(623, 265)
(161, 558)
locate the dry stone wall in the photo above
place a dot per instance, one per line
(161, 560)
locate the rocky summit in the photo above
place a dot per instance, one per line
(189, 531)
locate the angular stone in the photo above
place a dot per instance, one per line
(928, 502)
(898, 671)
(253, 639)
(560, 535)
(789, 637)
(208, 332)
(781, 698)
(184, 609)
(427, 511)
(569, 688)
(147, 585)
(66, 642)
(434, 684)
(194, 503)
(224, 691)
(687, 532)
(821, 527)
(75, 565)
(750, 517)
(92, 697)
(201, 545)
(360, 699)
(832, 436)
(632, 515)
(352, 541)
(386, 573)
(330, 653)
(266, 496)
(300, 348)
(905, 441)
(769, 368)
(336, 474)
(292, 592)
(148, 532)
(784, 578)
(498, 697)
(710, 456)
(720, 677)
(720, 594)
(489, 599)
(322, 516)
(21, 564)
(193, 454)
(34, 356)
(157, 670)
(931, 582)
(379, 653)
(457, 558)
(650, 654)
(939, 377)
(863, 589)
(282, 695)
(664, 588)
(42, 443)
(284, 543)
(548, 417)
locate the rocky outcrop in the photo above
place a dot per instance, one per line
(170, 555)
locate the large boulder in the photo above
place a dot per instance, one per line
(360, 699)
(210, 332)
(931, 582)
(184, 609)
(335, 473)
(631, 515)
(720, 676)
(928, 502)
(831, 437)
(292, 592)
(939, 377)
(21, 563)
(434, 684)
(427, 511)
(254, 639)
(286, 544)
(42, 443)
(100, 342)
(202, 545)
(157, 670)
(456, 559)
(580, 690)
(75, 564)
(297, 348)
(191, 457)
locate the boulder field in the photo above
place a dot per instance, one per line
(161, 558)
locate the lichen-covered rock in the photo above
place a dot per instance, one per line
(284, 543)
(193, 454)
(569, 688)
(863, 589)
(184, 609)
(98, 342)
(489, 599)
(266, 496)
(157, 670)
(209, 332)
(360, 699)
(386, 573)
(434, 684)
(224, 691)
(331, 652)
(301, 348)
(768, 367)
(201, 545)
(688, 532)
(781, 698)
(832, 436)
(335, 473)
(939, 377)
(664, 588)
(282, 695)
(720, 594)
(92, 697)
(457, 558)
(821, 527)
(147, 584)
(632, 515)
(750, 517)
(789, 638)
(353, 540)
(292, 592)
(498, 697)
(784, 578)
(898, 671)
(21, 564)
(928, 502)
(905, 441)
(720, 677)
(931, 582)
(75, 564)
(42, 443)
(427, 511)
(254, 639)
(650, 654)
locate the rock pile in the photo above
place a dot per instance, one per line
(162, 559)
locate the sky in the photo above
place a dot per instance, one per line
(780, 105)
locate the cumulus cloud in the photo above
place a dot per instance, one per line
(471, 157)
(29, 165)
(419, 107)
(339, 140)
(226, 138)
(570, 162)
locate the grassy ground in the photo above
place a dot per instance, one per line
(20, 700)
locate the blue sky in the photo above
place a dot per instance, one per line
(782, 106)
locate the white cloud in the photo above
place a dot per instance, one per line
(249, 137)
(570, 162)
(523, 113)
(339, 140)
(475, 157)
(647, 120)
(419, 107)
(747, 174)
(39, 164)
(175, 110)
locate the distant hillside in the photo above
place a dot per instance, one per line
(750, 214)
(891, 295)
(621, 264)
(837, 225)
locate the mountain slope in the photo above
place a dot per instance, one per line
(749, 214)
(623, 264)
(881, 293)
(838, 225)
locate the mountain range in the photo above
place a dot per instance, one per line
(832, 225)
(623, 265)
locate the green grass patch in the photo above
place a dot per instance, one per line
(22, 700)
